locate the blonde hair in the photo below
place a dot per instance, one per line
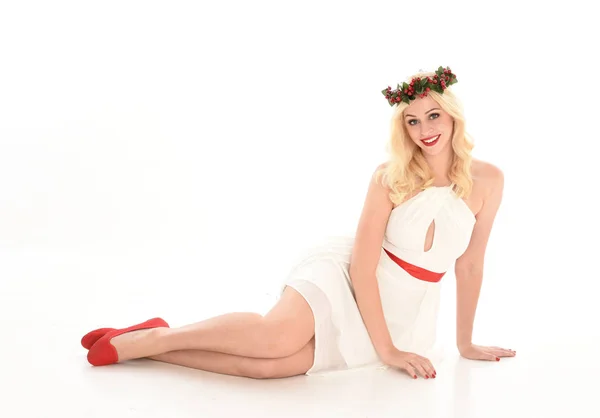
(406, 167)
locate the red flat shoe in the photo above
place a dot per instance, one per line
(91, 337)
(103, 352)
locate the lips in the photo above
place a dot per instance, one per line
(430, 141)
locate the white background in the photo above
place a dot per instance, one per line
(173, 158)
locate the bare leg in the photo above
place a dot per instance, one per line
(296, 364)
(284, 330)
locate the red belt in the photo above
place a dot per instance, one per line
(416, 271)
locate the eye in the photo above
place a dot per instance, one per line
(437, 115)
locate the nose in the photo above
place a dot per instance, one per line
(427, 128)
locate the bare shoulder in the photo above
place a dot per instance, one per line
(378, 193)
(488, 186)
(487, 178)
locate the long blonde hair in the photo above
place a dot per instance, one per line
(406, 167)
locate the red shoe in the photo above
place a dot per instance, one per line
(103, 352)
(91, 337)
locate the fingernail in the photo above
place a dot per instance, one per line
(497, 359)
(415, 376)
(426, 376)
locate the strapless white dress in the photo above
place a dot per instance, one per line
(410, 305)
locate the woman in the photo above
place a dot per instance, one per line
(369, 300)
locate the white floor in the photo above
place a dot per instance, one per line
(51, 300)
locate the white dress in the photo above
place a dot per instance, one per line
(410, 305)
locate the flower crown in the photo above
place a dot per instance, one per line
(442, 79)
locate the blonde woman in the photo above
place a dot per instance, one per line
(370, 300)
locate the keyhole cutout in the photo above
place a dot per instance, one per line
(429, 236)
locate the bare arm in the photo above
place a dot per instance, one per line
(364, 260)
(469, 266)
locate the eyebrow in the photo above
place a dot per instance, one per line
(425, 112)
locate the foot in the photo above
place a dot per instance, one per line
(135, 344)
(125, 344)
(91, 337)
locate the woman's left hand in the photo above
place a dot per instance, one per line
(479, 352)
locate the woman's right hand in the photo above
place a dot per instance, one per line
(411, 362)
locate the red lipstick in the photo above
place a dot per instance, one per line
(431, 143)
